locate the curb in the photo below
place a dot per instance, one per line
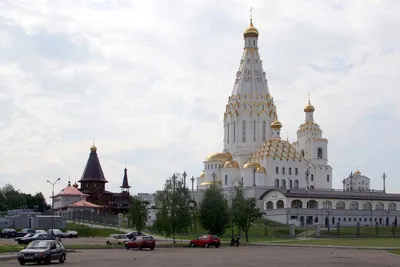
(335, 247)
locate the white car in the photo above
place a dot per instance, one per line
(71, 234)
(116, 239)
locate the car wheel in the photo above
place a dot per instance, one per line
(127, 247)
(152, 248)
(119, 243)
(217, 245)
(192, 245)
(139, 247)
(108, 243)
(62, 259)
(206, 245)
(76, 236)
(21, 263)
(47, 261)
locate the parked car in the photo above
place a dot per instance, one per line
(71, 234)
(27, 235)
(9, 233)
(40, 231)
(141, 242)
(27, 240)
(116, 239)
(42, 251)
(23, 232)
(206, 241)
(133, 234)
(56, 232)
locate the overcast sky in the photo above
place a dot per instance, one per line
(149, 80)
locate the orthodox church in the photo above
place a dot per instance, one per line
(292, 181)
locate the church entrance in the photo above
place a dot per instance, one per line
(326, 222)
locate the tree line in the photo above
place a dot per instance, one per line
(11, 199)
(177, 212)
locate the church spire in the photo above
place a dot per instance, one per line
(309, 110)
(93, 171)
(125, 185)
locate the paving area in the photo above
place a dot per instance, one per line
(226, 256)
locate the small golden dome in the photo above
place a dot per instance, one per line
(230, 164)
(276, 124)
(220, 157)
(261, 169)
(93, 148)
(309, 107)
(251, 165)
(75, 185)
(202, 175)
(251, 31)
(357, 172)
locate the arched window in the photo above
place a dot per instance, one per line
(227, 137)
(234, 131)
(243, 131)
(379, 206)
(283, 183)
(354, 205)
(254, 131)
(367, 206)
(312, 177)
(302, 153)
(290, 171)
(297, 204)
(226, 179)
(312, 204)
(264, 130)
(327, 178)
(283, 170)
(327, 205)
(277, 183)
(290, 184)
(392, 206)
(296, 171)
(296, 183)
(277, 170)
(270, 205)
(320, 153)
(312, 187)
(280, 204)
(340, 205)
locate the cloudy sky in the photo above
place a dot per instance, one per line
(149, 81)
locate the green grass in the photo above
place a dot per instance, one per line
(394, 251)
(360, 242)
(364, 231)
(10, 248)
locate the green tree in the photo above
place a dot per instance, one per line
(173, 214)
(244, 211)
(138, 213)
(214, 212)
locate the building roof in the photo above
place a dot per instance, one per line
(353, 195)
(83, 204)
(93, 171)
(70, 191)
(276, 148)
(125, 183)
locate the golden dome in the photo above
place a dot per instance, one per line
(357, 172)
(202, 175)
(220, 157)
(230, 164)
(93, 148)
(276, 124)
(261, 169)
(309, 107)
(252, 165)
(250, 31)
(75, 185)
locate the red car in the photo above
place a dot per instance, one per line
(141, 242)
(206, 241)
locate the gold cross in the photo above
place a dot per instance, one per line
(251, 13)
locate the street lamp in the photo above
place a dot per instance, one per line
(254, 176)
(287, 210)
(52, 205)
(307, 174)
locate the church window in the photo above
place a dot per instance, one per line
(312, 177)
(327, 205)
(340, 205)
(254, 131)
(234, 131)
(327, 178)
(290, 184)
(320, 153)
(226, 179)
(280, 204)
(264, 130)
(302, 152)
(227, 133)
(270, 205)
(243, 131)
(379, 206)
(354, 205)
(258, 79)
(283, 170)
(312, 187)
(296, 183)
(254, 42)
(392, 206)
(290, 171)
(296, 171)
(367, 206)
(283, 183)
(277, 170)
(262, 107)
(277, 183)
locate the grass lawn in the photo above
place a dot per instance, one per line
(86, 230)
(360, 242)
(395, 252)
(364, 231)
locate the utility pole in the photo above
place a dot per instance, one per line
(192, 179)
(254, 176)
(351, 181)
(184, 179)
(384, 182)
(173, 206)
(52, 205)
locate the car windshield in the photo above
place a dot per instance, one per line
(38, 245)
(147, 238)
(29, 235)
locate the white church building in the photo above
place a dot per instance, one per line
(292, 181)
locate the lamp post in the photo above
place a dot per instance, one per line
(328, 211)
(351, 181)
(52, 204)
(231, 208)
(192, 179)
(287, 210)
(254, 176)
(307, 174)
(184, 179)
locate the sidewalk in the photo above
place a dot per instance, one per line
(8, 257)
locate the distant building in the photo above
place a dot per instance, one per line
(151, 207)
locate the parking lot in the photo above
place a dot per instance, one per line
(227, 256)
